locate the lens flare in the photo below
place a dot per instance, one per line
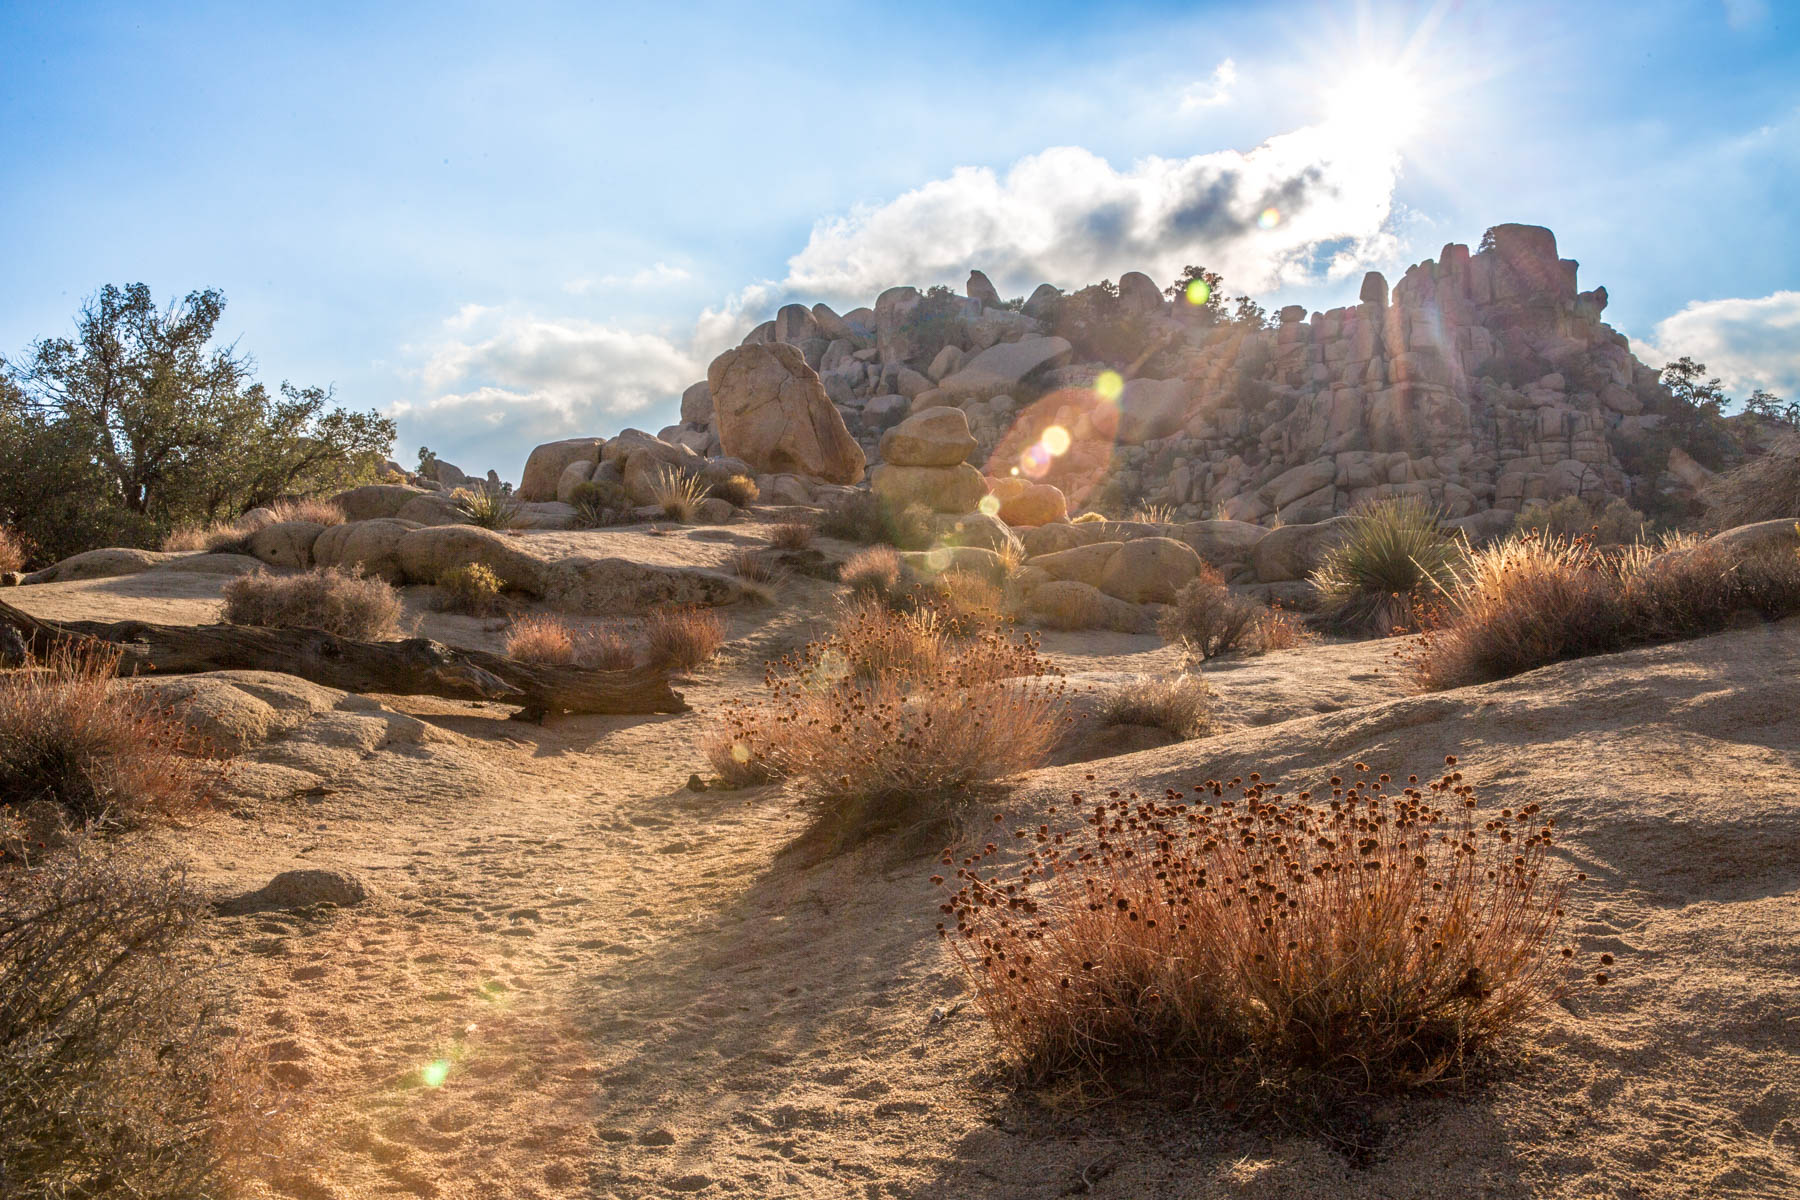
(740, 753)
(434, 1073)
(989, 504)
(1035, 462)
(1108, 385)
(1269, 218)
(1198, 293)
(1056, 440)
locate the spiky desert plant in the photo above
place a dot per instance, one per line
(345, 602)
(678, 494)
(1390, 553)
(1364, 936)
(487, 508)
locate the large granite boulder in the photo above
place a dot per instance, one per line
(375, 500)
(371, 545)
(955, 489)
(772, 412)
(1023, 502)
(936, 437)
(285, 543)
(544, 466)
(425, 554)
(1295, 551)
(998, 370)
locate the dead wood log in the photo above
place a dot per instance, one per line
(412, 667)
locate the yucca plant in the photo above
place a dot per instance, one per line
(1392, 553)
(678, 494)
(488, 509)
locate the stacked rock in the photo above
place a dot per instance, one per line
(923, 462)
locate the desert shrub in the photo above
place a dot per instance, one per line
(550, 640)
(316, 509)
(1529, 601)
(966, 601)
(866, 518)
(218, 537)
(608, 650)
(473, 589)
(98, 753)
(1365, 936)
(873, 572)
(488, 509)
(678, 494)
(347, 603)
(745, 749)
(12, 550)
(1390, 554)
(1605, 521)
(753, 565)
(792, 535)
(1182, 705)
(111, 1080)
(598, 505)
(1764, 488)
(684, 637)
(1211, 619)
(740, 490)
(1087, 518)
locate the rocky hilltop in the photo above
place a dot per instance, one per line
(1481, 381)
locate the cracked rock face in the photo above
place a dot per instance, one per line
(772, 411)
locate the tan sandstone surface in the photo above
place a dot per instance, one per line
(574, 977)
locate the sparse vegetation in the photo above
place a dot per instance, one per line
(347, 603)
(1764, 488)
(473, 589)
(98, 753)
(792, 535)
(1181, 705)
(486, 508)
(1211, 619)
(598, 505)
(739, 490)
(1390, 554)
(678, 494)
(112, 1080)
(684, 637)
(1154, 514)
(867, 519)
(1365, 936)
(1531, 601)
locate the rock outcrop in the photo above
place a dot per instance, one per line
(773, 413)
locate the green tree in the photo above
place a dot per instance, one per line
(1204, 294)
(144, 415)
(1687, 382)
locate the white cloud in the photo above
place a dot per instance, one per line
(502, 383)
(1068, 217)
(1210, 93)
(1747, 343)
(656, 275)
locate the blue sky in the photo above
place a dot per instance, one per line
(509, 223)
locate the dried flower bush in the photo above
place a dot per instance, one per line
(1361, 938)
(740, 490)
(1391, 552)
(554, 641)
(473, 589)
(792, 535)
(111, 1080)
(1211, 619)
(1181, 705)
(684, 637)
(99, 753)
(1529, 601)
(347, 603)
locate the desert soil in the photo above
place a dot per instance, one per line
(577, 978)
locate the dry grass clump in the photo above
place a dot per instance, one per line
(1530, 601)
(678, 494)
(891, 721)
(1355, 939)
(12, 550)
(684, 637)
(1392, 552)
(98, 754)
(473, 589)
(1210, 619)
(1087, 518)
(1182, 706)
(750, 563)
(1764, 488)
(1154, 514)
(873, 572)
(347, 603)
(110, 1081)
(1604, 521)
(486, 508)
(740, 490)
(792, 535)
(220, 537)
(554, 641)
(316, 509)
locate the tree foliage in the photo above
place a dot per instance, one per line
(140, 422)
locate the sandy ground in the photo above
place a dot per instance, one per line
(577, 978)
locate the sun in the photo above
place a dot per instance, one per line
(1379, 103)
